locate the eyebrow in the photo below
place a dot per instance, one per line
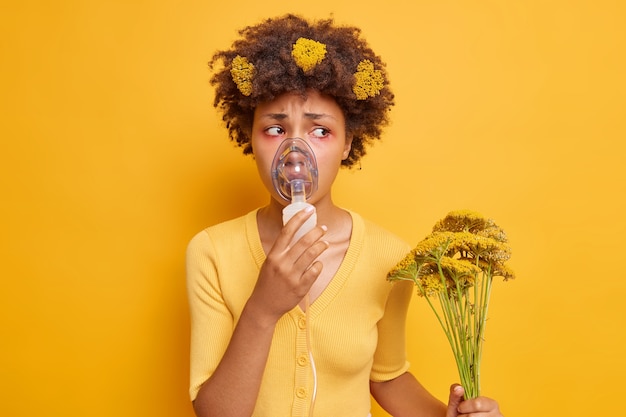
(315, 116)
(283, 116)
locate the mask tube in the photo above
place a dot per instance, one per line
(294, 175)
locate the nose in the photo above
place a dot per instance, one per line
(295, 166)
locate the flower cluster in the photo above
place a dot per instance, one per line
(308, 53)
(455, 265)
(368, 82)
(242, 72)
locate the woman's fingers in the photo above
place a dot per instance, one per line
(290, 270)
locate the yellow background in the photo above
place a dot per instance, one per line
(112, 157)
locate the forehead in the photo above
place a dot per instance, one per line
(291, 104)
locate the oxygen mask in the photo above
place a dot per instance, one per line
(294, 170)
(294, 175)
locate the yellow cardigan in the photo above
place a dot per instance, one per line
(357, 323)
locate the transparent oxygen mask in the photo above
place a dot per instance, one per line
(294, 170)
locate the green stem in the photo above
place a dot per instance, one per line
(445, 326)
(462, 316)
(456, 324)
(484, 307)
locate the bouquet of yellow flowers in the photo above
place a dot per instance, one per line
(455, 266)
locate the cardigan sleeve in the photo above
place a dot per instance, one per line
(390, 356)
(211, 321)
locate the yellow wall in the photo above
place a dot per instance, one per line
(112, 158)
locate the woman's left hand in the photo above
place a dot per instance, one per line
(481, 406)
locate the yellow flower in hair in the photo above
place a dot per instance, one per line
(369, 81)
(242, 72)
(308, 53)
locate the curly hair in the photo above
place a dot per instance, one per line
(268, 45)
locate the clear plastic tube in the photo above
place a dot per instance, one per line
(310, 353)
(294, 176)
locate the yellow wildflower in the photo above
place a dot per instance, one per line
(497, 269)
(455, 265)
(493, 231)
(406, 268)
(459, 268)
(429, 285)
(461, 220)
(504, 272)
(242, 72)
(470, 245)
(368, 82)
(434, 245)
(308, 53)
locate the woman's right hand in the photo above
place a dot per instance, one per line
(289, 270)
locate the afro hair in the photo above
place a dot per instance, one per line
(268, 47)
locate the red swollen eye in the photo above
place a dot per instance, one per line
(275, 131)
(320, 132)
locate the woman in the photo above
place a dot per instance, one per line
(284, 327)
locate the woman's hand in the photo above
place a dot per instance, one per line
(476, 407)
(289, 270)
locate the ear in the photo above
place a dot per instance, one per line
(347, 147)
